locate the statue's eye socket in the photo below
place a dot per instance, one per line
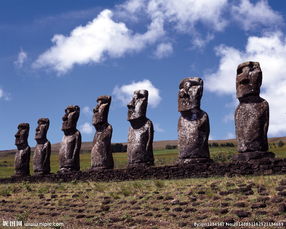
(244, 81)
(239, 71)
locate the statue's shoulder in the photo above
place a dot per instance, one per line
(149, 122)
(77, 134)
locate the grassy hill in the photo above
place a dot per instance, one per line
(157, 145)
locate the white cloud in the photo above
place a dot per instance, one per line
(251, 15)
(108, 36)
(211, 137)
(185, 14)
(229, 135)
(99, 39)
(125, 92)
(4, 95)
(229, 117)
(163, 50)
(22, 57)
(199, 42)
(132, 6)
(1, 93)
(86, 128)
(87, 111)
(158, 129)
(270, 51)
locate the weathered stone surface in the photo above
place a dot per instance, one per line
(193, 125)
(42, 153)
(71, 142)
(22, 157)
(101, 154)
(141, 132)
(163, 172)
(251, 115)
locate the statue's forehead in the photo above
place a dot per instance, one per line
(23, 126)
(141, 92)
(104, 99)
(191, 81)
(249, 64)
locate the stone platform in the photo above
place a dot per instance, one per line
(197, 170)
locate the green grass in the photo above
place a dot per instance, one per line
(162, 157)
(144, 203)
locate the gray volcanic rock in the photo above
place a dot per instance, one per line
(22, 157)
(101, 154)
(42, 153)
(71, 142)
(141, 132)
(193, 125)
(251, 115)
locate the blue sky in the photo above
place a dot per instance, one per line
(59, 53)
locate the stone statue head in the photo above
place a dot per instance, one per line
(190, 93)
(22, 135)
(42, 129)
(70, 119)
(138, 105)
(248, 79)
(100, 112)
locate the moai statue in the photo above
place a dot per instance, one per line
(22, 157)
(193, 125)
(101, 154)
(141, 132)
(42, 152)
(71, 142)
(251, 115)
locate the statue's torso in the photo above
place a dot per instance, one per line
(69, 151)
(101, 155)
(140, 142)
(41, 160)
(193, 136)
(251, 122)
(22, 160)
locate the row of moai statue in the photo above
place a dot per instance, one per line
(251, 122)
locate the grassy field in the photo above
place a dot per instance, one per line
(162, 157)
(148, 203)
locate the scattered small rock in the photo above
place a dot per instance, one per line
(258, 205)
(224, 211)
(190, 210)
(148, 214)
(106, 201)
(182, 224)
(240, 204)
(224, 193)
(105, 208)
(224, 204)
(201, 217)
(41, 196)
(282, 207)
(261, 212)
(242, 214)
(178, 209)
(280, 188)
(283, 193)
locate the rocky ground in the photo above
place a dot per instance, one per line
(148, 203)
